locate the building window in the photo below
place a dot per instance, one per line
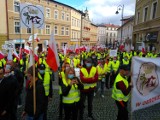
(17, 27)
(47, 29)
(145, 14)
(16, 6)
(67, 31)
(67, 17)
(138, 16)
(39, 31)
(72, 35)
(62, 31)
(110, 34)
(55, 30)
(47, 13)
(72, 21)
(154, 10)
(29, 30)
(63, 16)
(56, 14)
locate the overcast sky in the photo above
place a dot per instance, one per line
(103, 11)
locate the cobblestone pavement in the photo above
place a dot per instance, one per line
(104, 108)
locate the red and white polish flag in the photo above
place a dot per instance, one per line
(52, 56)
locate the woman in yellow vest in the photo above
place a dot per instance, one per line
(65, 66)
(71, 87)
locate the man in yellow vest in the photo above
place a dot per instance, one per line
(102, 71)
(125, 61)
(115, 66)
(89, 78)
(47, 83)
(121, 92)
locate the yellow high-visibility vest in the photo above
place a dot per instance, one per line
(125, 62)
(46, 82)
(116, 93)
(89, 75)
(73, 95)
(101, 71)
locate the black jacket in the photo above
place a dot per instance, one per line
(40, 100)
(19, 76)
(8, 93)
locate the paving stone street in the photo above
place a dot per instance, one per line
(104, 108)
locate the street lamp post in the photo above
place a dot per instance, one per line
(119, 8)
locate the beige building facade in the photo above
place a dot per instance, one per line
(75, 27)
(93, 34)
(57, 18)
(3, 23)
(147, 25)
(111, 34)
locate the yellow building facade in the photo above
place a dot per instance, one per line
(147, 25)
(3, 23)
(75, 27)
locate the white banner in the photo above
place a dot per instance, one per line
(113, 53)
(32, 14)
(146, 82)
(9, 45)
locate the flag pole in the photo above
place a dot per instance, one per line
(34, 84)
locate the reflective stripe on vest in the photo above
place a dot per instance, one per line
(116, 93)
(46, 82)
(73, 95)
(89, 75)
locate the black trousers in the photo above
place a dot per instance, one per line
(122, 111)
(71, 111)
(60, 108)
(89, 96)
(107, 80)
(45, 112)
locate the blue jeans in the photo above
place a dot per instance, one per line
(32, 118)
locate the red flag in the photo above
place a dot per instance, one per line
(143, 47)
(1, 55)
(16, 55)
(52, 56)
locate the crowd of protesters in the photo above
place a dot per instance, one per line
(96, 70)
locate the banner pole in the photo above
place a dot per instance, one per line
(131, 88)
(34, 84)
